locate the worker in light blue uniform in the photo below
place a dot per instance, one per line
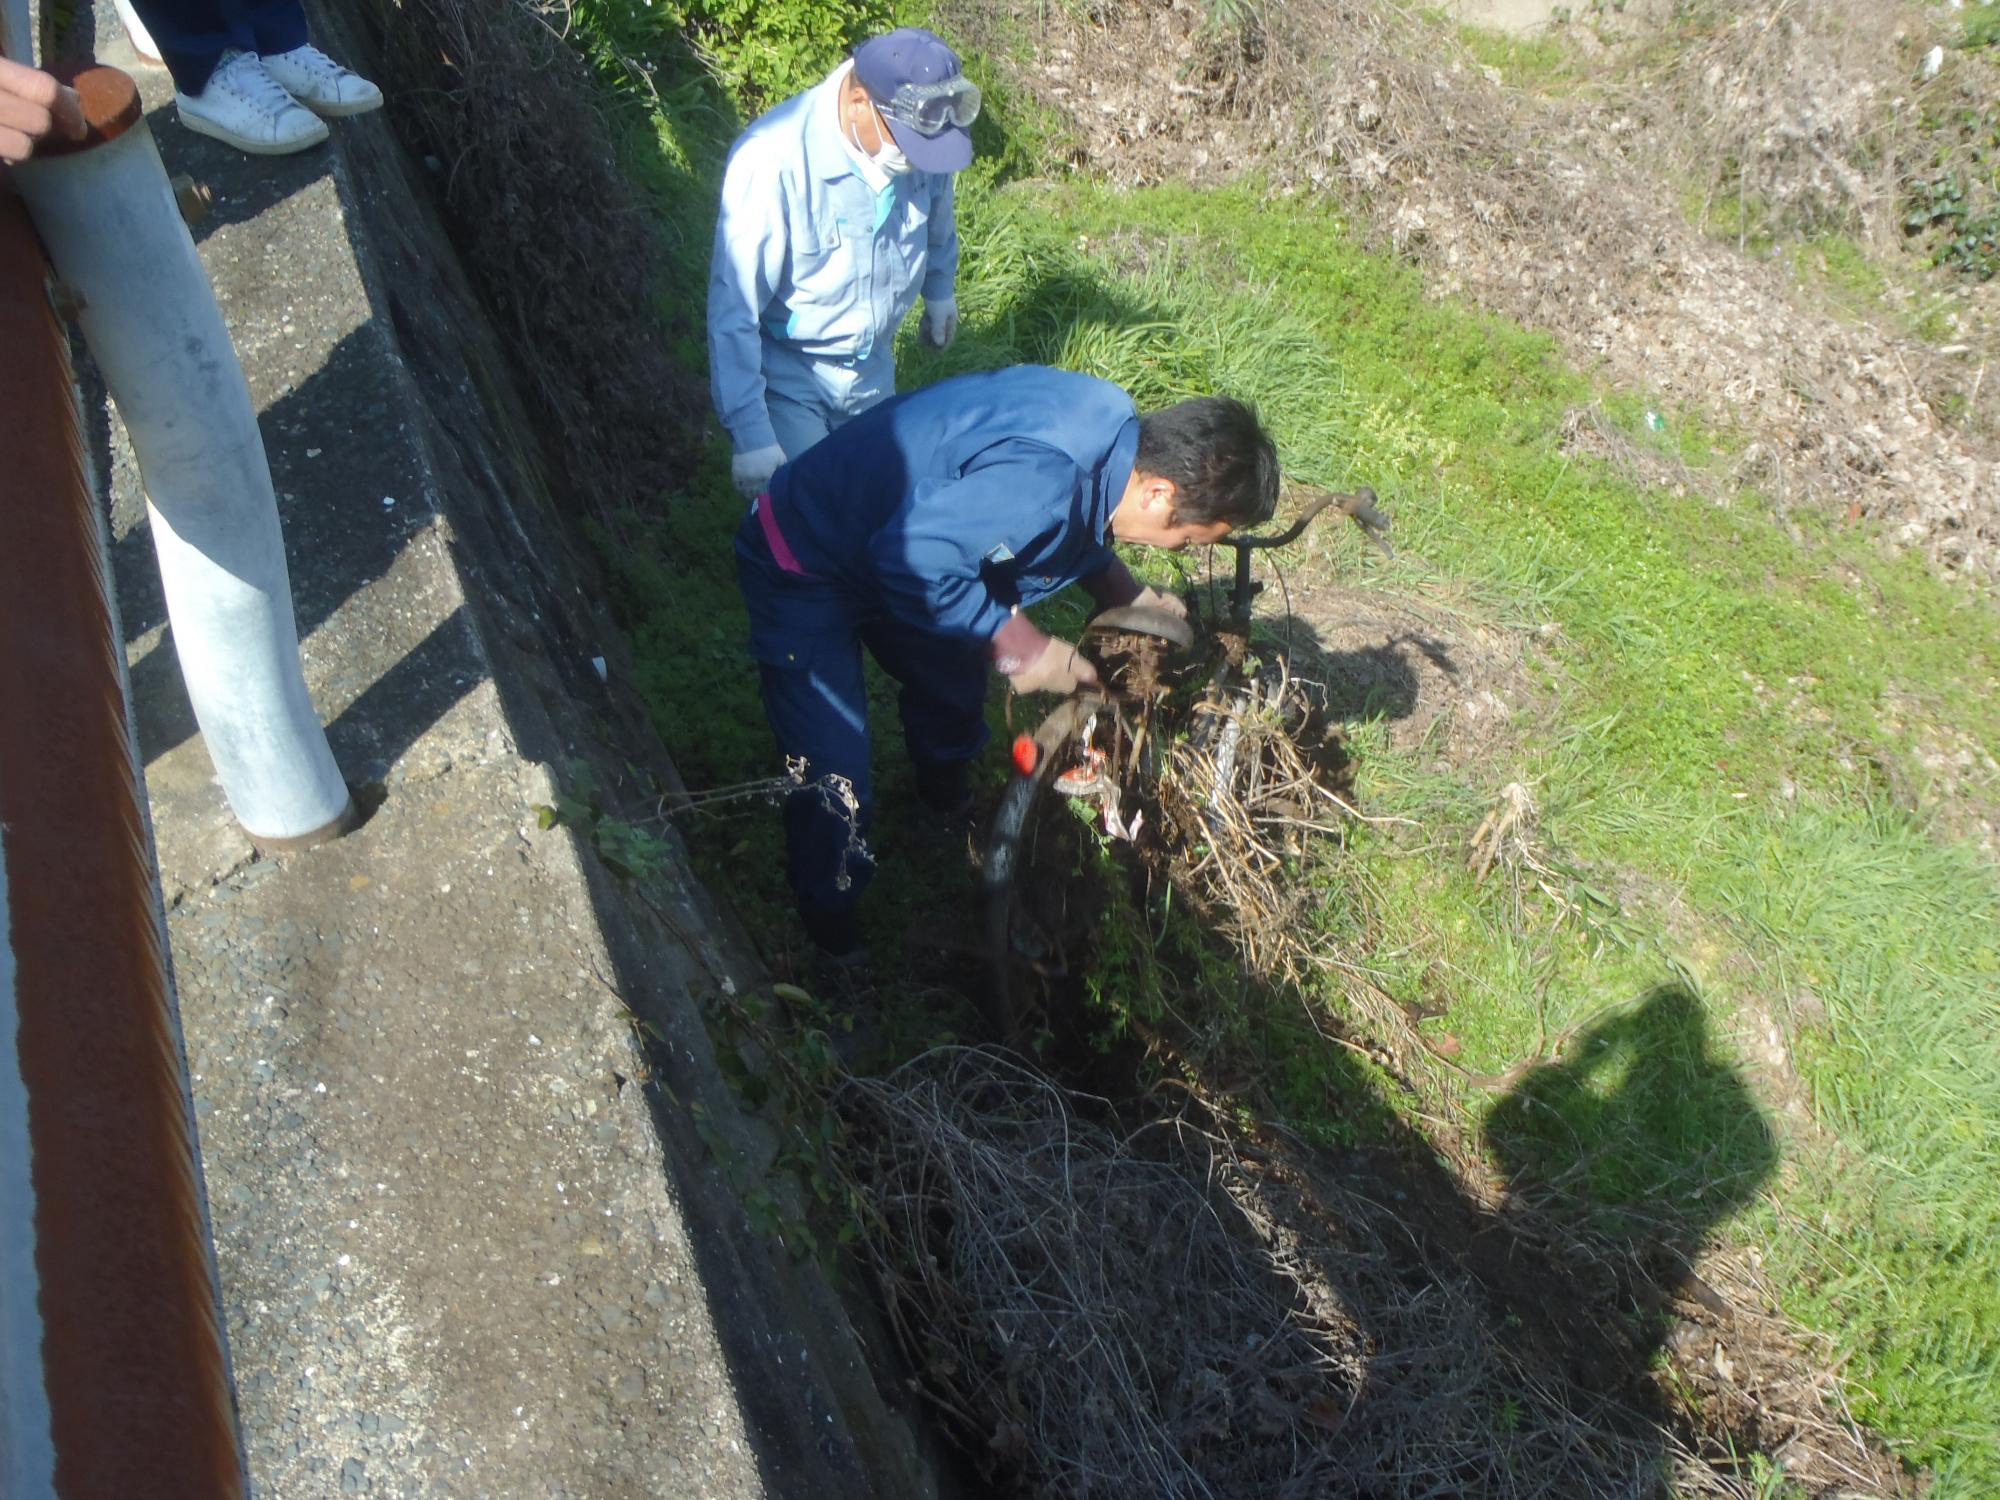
(836, 212)
(920, 530)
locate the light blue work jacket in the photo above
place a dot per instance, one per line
(813, 269)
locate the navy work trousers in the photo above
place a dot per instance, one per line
(807, 635)
(192, 35)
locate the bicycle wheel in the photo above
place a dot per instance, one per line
(1089, 755)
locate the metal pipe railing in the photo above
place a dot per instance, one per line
(114, 233)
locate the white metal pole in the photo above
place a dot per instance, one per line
(108, 218)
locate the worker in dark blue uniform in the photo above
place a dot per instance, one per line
(922, 529)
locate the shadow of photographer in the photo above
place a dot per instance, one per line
(1637, 1144)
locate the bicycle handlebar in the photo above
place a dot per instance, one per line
(1291, 532)
(1358, 506)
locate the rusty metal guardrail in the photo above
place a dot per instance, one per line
(113, 1372)
(114, 1375)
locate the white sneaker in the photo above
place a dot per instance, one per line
(245, 106)
(321, 84)
(135, 30)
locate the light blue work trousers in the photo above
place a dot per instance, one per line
(808, 397)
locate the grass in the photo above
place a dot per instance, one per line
(1712, 700)
(1543, 63)
(1896, 938)
(1982, 26)
(1838, 263)
(1895, 289)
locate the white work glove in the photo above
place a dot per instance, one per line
(1058, 668)
(1116, 588)
(751, 472)
(940, 323)
(1152, 598)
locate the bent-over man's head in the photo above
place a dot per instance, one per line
(1205, 468)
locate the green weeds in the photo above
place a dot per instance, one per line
(760, 51)
(628, 850)
(1839, 263)
(1952, 210)
(1948, 211)
(1543, 63)
(1733, 214)
(1982, 27)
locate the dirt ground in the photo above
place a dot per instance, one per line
(1431, 672)
(1566, 213)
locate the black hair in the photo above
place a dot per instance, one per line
(1223, 463)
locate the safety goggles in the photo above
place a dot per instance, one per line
(930, 108)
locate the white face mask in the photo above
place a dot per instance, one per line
(890, 158)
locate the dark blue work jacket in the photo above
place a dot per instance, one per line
(952, 504)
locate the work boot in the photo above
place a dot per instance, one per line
(945, 787)
(944, 816)
(244, 106)
(838, 971)
(836, 934)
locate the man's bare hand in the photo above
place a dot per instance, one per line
(34, 107)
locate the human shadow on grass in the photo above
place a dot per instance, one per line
(1638, 1142)
(1622, 1156)
(1512, 1347)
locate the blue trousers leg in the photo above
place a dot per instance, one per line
(818, 715)
(942, 700)
(193, 34)
(808, 649)
(807, 637)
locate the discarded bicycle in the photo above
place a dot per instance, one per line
(1102, 753)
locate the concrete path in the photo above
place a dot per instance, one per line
(451, 1242)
